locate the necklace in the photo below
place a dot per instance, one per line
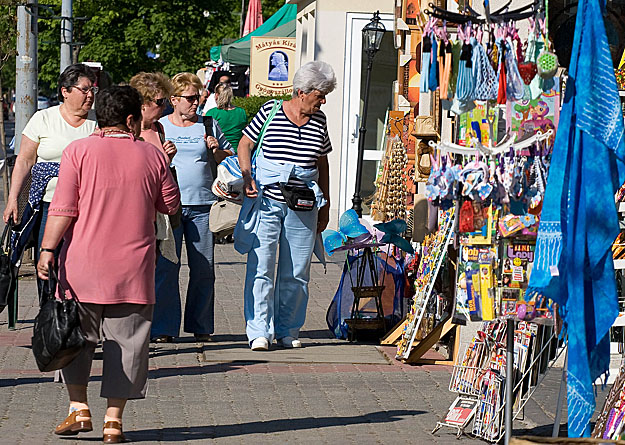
(116, 133)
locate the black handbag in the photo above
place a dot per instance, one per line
(8, 272)
(298, 198)
(57, 336)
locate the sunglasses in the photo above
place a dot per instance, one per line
(191, 99)
(86, 90)
(160, 102)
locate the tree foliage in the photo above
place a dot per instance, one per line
(120, 34)
(8, 35)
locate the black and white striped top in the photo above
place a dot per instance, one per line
(285, 142)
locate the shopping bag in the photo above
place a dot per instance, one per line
(57, 336)
(8, 272)
(223, 217)
(228, 184)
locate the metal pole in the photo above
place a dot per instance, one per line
(509, 378)
(558, 420)
(242, 18)
(25, 68)
(357, 199)
(67, 27)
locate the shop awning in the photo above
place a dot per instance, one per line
(281, 24)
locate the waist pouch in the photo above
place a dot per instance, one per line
(298, 198)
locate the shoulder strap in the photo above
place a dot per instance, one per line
(259, 142)
(208, 125)
(161, 131)
(208, 130)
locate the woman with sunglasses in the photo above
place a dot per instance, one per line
(155, 88)
(44, 138)
(194, 162)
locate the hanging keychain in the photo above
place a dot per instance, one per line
(547, 62)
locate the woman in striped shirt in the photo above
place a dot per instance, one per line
(294, 154)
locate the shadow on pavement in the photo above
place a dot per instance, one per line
(180, 434)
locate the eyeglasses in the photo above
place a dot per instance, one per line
(160, 102)
(86, 90)
(191, 99)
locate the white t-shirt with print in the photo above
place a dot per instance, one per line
(48, 129)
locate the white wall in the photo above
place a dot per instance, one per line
(321, 28)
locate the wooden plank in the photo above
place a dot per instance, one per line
(394, 334)
(430, 340)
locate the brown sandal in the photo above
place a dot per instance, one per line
(113, 438)
(71, 426)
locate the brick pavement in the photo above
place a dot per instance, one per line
(222, 393)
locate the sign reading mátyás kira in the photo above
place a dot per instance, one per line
(272, 66)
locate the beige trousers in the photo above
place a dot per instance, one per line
(125, 349)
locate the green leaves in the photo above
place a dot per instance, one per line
(120, 33)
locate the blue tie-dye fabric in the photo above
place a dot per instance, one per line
(579, 222)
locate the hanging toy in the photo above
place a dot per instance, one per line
(547, 64)
(528, 71)
(547, 61)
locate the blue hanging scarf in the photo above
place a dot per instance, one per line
(433, 82)
(579, 223)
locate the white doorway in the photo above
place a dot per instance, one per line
(383, 74)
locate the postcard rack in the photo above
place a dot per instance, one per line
(507, 360)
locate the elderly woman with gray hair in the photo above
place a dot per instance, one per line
(286, 206)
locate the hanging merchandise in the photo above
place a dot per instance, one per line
(423, 315)
(390, 197)
(572, 265)
(485, 77)
(497, 70)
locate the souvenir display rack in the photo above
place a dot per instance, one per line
(483, 375)
(434, 251)
(610, 424)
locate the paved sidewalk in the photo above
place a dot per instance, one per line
(330, 391)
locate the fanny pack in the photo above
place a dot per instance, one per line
(298, 198)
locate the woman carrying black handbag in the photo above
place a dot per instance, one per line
(110, 187)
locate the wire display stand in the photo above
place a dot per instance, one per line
(503, 372)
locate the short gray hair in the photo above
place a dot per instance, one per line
(314, 76)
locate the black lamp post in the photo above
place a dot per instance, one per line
(372, 35)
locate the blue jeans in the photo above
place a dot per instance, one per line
(279, 310)
(199, 311)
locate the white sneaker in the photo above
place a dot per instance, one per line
(289, 342)
(260, 344)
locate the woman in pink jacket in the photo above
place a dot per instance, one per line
(110, 187)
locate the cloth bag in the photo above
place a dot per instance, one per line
(228, 183)
(8, 272)
(223, 218)
(57, 336)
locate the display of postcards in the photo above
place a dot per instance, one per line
(516, 263)
(461, 411)
(508, 298)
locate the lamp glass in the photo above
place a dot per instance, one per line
(373, 33)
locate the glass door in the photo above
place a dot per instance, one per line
(383, 74)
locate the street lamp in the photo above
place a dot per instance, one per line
(372, 35)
